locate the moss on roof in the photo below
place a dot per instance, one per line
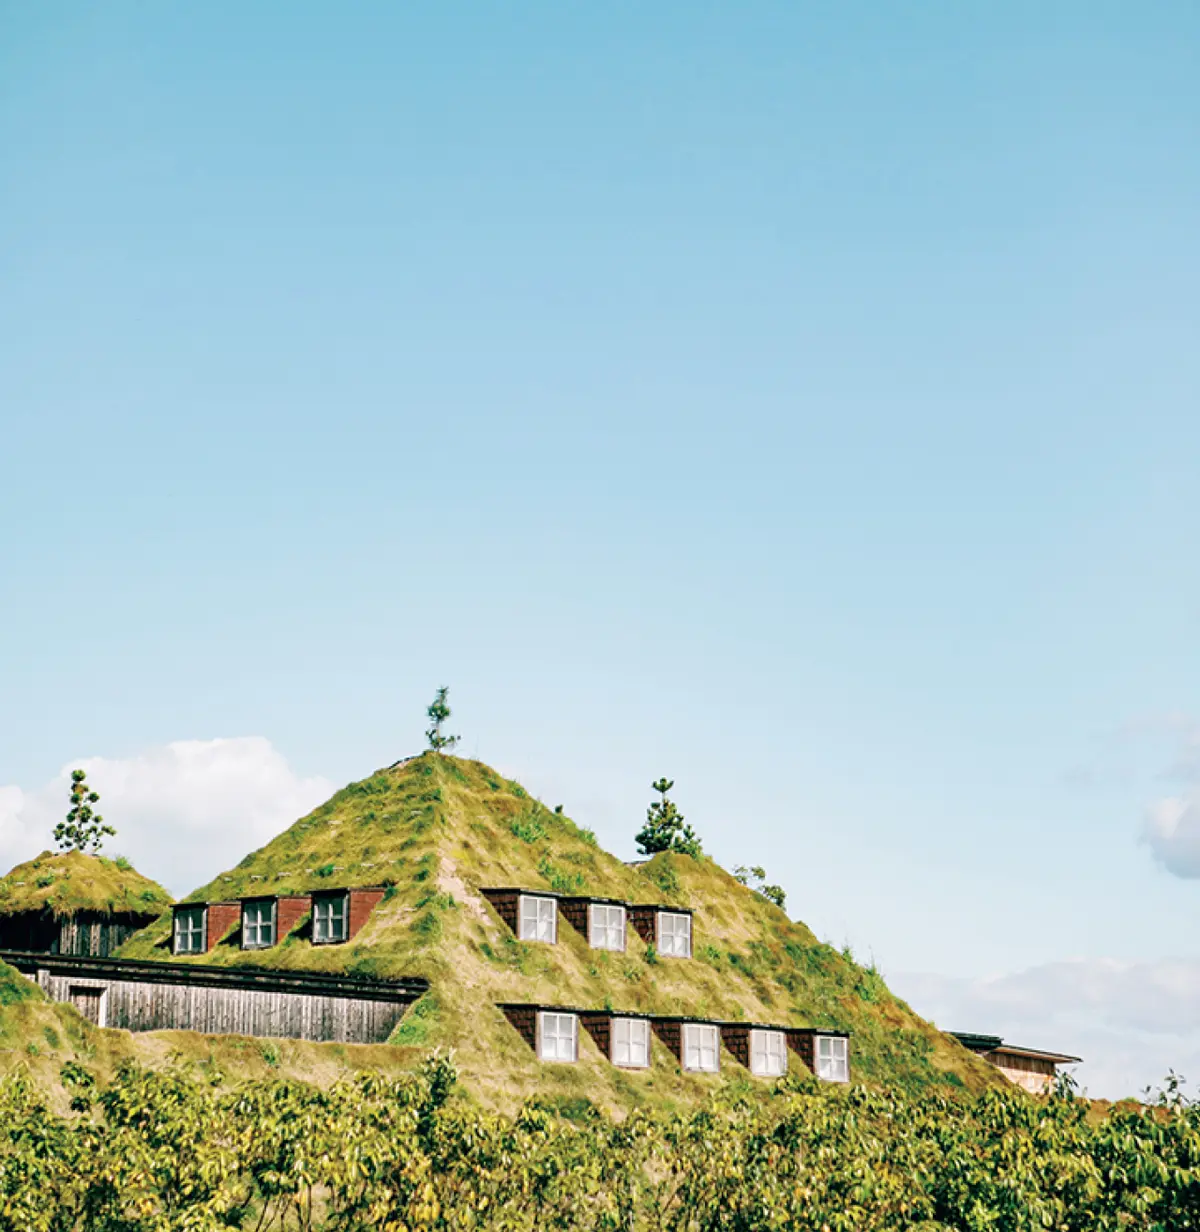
(70, 881)
(437, 830)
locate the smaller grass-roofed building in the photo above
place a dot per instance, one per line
(73, 903)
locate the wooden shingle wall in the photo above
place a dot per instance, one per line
(507, 905)
(362, 903)
(221, 918)
(737, 1039)
(645, 923)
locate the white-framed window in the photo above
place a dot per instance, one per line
(606, 926)
(558, 1036)
(833, 1058)
(329, 918)
(190, 930)
(768, 1053)
(631, 1042)
(258, 924)
(701, 1047)
(539, 918)
(675, 934)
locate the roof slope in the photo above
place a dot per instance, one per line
(70, 881)
(436, 830)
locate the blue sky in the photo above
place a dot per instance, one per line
(794, 400)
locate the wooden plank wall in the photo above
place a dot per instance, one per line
(86, 932)
(137, 1006)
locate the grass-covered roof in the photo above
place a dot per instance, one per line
(69, 881)
(436, 830)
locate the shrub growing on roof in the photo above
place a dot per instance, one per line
(665, 829)
(82, 829)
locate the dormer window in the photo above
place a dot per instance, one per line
(768, 1053)
(538, 918)
(631, 1042)
(674, 934)
(258, 924)
(701, 1047)
(191, 933)
(606, 926)
(329, 918)
(833, 1058)
(558, 1036)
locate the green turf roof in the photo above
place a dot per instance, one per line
(437, 830)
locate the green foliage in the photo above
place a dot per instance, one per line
(174, 1149)
(82, 829)
(528, 828)
(123, 864)
(560, 882)
(664, 829)
(326, 870)
(439, 711)
(758, 875)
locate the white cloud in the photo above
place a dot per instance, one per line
(182, 812)
(1171, 830)
(1130, 1021)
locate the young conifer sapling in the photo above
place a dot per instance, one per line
(83, 829)
(439, 712)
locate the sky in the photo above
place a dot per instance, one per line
(798, 401)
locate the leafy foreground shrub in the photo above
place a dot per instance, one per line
(158, 1151)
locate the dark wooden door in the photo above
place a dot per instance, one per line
(87, 1002)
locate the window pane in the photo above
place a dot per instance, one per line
(258, 924)
(631, 1042)
(538, 918)
(329, 919)
(189, 931)
(606, 927)
(675, 934)
(833, 1059)
(768, 1053)
(701, 1050)
(557, 1037)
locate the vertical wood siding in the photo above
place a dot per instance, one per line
(137, 1006)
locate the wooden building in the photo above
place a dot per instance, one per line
(153, 996)
(91, 933)
(1030, 1068)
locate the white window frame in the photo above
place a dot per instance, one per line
(768, 1053)
(545, 910)
(190, 912)
(551, 1037)
(604, 932)
(636, 1043)
(259, 944)
(832, 1056)
(669, 943)
(325, 919)
(697, 1040)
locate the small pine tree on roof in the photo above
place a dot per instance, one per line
(664, 829)
(82, 829)
(439, 712)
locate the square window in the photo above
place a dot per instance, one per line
(631, 1042)
(539, 919)
(701, 1048)
(833, 1058)
(768, 1053)
(329, 918)
(190, 930)
(674, 934)
(258, 924)
(606, 927)
(557, 1036)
